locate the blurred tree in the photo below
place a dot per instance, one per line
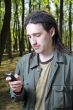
(61, 19)
(21, 39)
(70, 25)
(6, 27)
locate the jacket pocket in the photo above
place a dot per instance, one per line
(58, 97)
(62, 97)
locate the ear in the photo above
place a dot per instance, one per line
(52, 31)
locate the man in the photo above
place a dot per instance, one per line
(45, 76)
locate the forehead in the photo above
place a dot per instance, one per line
(31, 28)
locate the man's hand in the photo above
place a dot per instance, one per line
(17, 85)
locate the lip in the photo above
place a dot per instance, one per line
(36, 46)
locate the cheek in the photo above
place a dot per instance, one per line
(42, 42)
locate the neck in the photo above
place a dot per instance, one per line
(46, 56)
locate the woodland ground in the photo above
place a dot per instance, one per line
(5, 101)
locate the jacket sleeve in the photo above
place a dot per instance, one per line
(18, 97)
(71, 79)
(71, 69)
(20, 71)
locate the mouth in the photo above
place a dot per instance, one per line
(36, 46)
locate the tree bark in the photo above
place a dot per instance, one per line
(5, 28)
(21, 42)
(70, 26)
(30, 9)
(61, 18)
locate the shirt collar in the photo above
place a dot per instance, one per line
(58, 57)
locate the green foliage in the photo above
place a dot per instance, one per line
(48, 5)
(2, 11)
(56, 2)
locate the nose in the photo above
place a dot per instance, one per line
(33, 40)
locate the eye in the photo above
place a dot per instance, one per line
(38, 35)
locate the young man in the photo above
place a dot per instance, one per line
(45, 76)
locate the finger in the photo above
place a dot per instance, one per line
(17, 76)
(16, 88)
(8, 78)
(18, 82)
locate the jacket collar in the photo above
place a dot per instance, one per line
(34, 60)
(58, 58)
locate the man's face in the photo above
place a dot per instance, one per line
(40, 39)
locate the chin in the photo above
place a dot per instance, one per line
(38, 51)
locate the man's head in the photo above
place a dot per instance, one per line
(41, 23)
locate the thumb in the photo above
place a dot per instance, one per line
(17, 76)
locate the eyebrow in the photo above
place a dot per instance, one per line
(33, 34)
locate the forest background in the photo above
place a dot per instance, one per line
(13, 40)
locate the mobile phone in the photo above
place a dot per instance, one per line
(11, 75)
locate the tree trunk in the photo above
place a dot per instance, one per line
(57, 12)
(0, 17)
(8, 45)
(70, 26)
(29, 12)
(22, 45)
(61, 18)
(6, 27)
